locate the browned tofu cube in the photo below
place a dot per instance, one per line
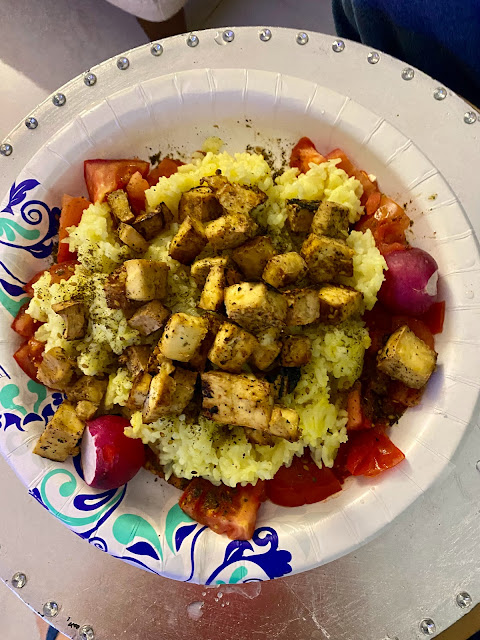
(201, 268)
(87, 388)
(232, 347)
(61, 435)
(300, 214)
(237, 399)
(327, 258)
(149, 318)
(215, 182)
(303, 306)
(254, 306)
(74, 317)
(139, 391)
(233, 197)
(230, 231)
(284, 423)
(267, 349)
(284, 269)
(233, 276)
(199, 203)
(136, 358)
(184, 389)
(199, 360)
(331, 219)
(146, 280)
(56, 369)
(183, 336)
(130, 236)
(85, 410)
(296, 351)
(407, 358)
(120, 205)
(337, 304)
(213, 291)
(114, 288)
(252, 257)
(160, 395)
(152, 223)
(188, 242)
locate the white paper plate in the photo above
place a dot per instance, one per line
(142, 112)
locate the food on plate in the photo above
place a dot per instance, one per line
(217, 322)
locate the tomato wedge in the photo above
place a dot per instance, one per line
(166, 168)
(303, 153)
(356, 415)
(435, 317)
(58, 272)
(229, 510)
(136, 188)
(72, 211)
(370, 453)
(301, 483)
(104, 176)
(29, 356)
(387, 224)
(24, 324)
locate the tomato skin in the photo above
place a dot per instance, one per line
(303, 153)
(72, 211)
(24, 324)
(301, 483)
(29, 356)
(58, 272)
(387, 224)
(435, 317)
(418, 327)
(104, 176)
(229, 510)
(372, 203)
(406, 396)
(136, 188)
(165, 168)
(356, 415)
(371, 452)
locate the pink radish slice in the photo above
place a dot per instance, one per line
(109, 458)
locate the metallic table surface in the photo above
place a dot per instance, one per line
(413, 571)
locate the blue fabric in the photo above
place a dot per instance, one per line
(441, 37)
(51, 634)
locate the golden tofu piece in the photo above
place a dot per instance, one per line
(300, 214)
(188, 242)
(252, 257)
(240, 400)
(254, 306)
(149, 318)
(56, 369)
(61, 435)
(215, 182)
(152, 223)
(120, 205)
(184, 389)
(232, 276)
(407, 358)
(199, 360)
(160, 395)
(296, 351)
(303, 306)
(284, 269)
(74, 318)
(267, 349)
(145, 280)
(331, 219)
(232, 347)
(87, 388)
(337, 303)
(327, 258)
(132, 238)
(199, 203)
(136, 358)
(85, 410)
(139, 391)
(230, 231)
(114, 288)
(183, 336)
(233, 197)
(201, 268)
(284, 423)
(213, 291)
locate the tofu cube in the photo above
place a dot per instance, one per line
(199, 203)
(232, 347)
(136, 358)
(233, 197)
(327, 258)
(160, 395)
(61, 435)
(149, 318)
(284, 423)
(239, 400)
(85, 410)
(184, 389)
(74, 317)
(337, 304)
(267, 349)
(331, 219)
(284, 269)
(254, 306)
(199, 360)
(303, 306)
(120, 206)
(151, 223)
(183, 336)
(407, 358)
(252, 257)
(132, 238)
(56, 369)
(230, 231)
(213, 291)
(146, 280)
(114, 288)
(87, 388)
(201, 268)
(296, 351)
(188, 242)
(139, 391)
(300, 214)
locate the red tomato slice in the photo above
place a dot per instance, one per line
(418, 327)
(166, 168)
(104, 176)
(406, 396)
(371, 452)
(356, 415)
(29, 356)
(72, 211)
(58, 272)
(24, 324)
(303, 153)
(435, 317)
(302, 483)
(229, 510)
(369, 187)
(372, 203)
(136, 192)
